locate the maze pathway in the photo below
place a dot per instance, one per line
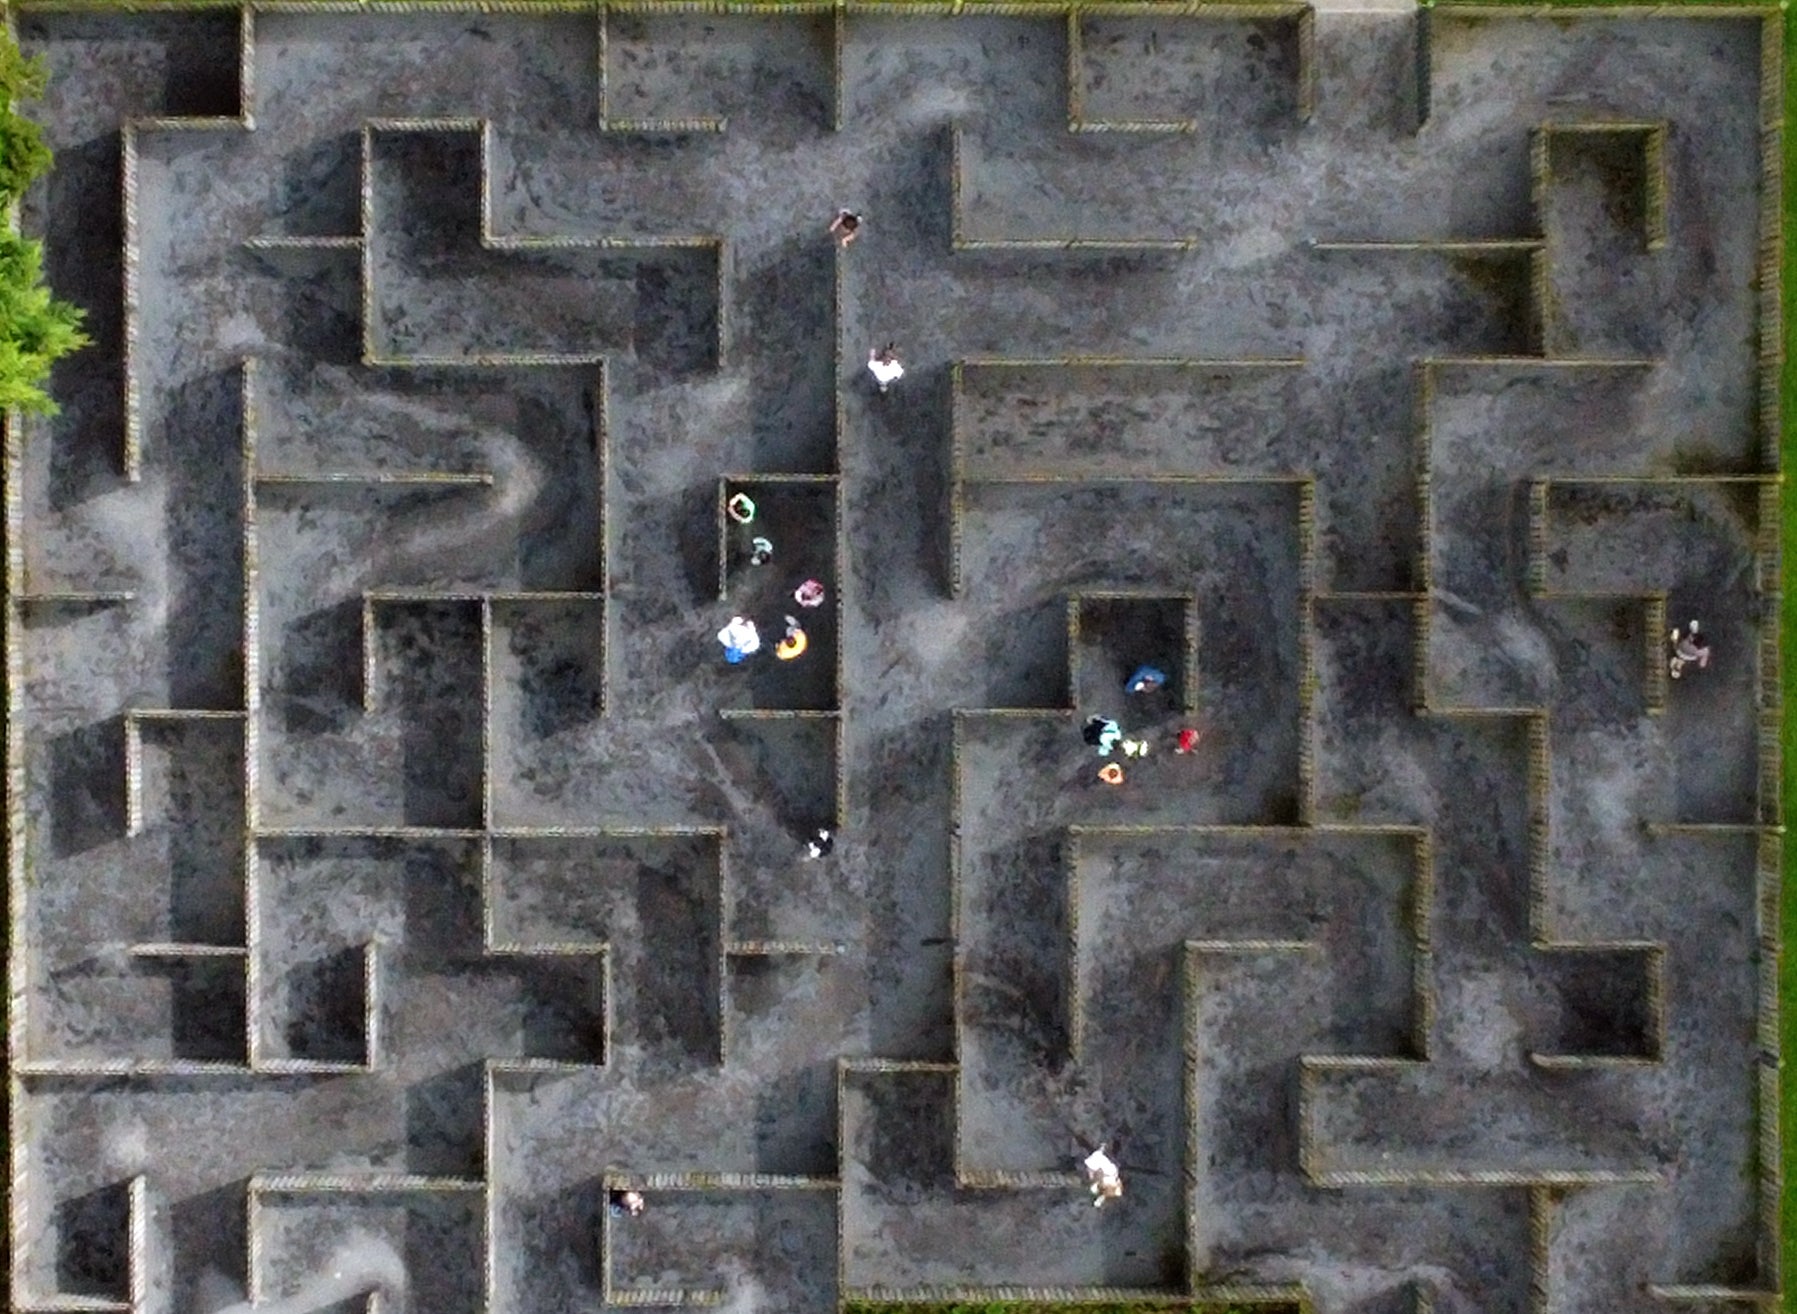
(395, 869)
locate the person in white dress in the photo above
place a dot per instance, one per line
(884, 365)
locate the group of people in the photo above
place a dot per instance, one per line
(882, 362)
(740, 637)
(1104, 734)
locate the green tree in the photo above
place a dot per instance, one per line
(35, 329)
(23, 155)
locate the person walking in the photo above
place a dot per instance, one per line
(884, 366)
(846, 226)
(1103, 1178)
(1101, 733)
(1689, 648)
(795, 642)
(1146, 679)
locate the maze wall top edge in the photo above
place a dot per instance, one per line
(1196, 363)
(1580, 9)
(763, 8)
(903, 8)
(1242, 1294)
(989, 8)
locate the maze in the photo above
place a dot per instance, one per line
(396, 869)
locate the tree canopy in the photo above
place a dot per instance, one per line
(35, 329)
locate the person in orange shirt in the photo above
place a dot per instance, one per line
(795, 642)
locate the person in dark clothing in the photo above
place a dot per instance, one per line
(1689, 648)
(1102, 733)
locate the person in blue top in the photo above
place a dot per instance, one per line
(1145, 680)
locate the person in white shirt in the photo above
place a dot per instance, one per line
(884, 364)
(1103, 1177)
(740, 639)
